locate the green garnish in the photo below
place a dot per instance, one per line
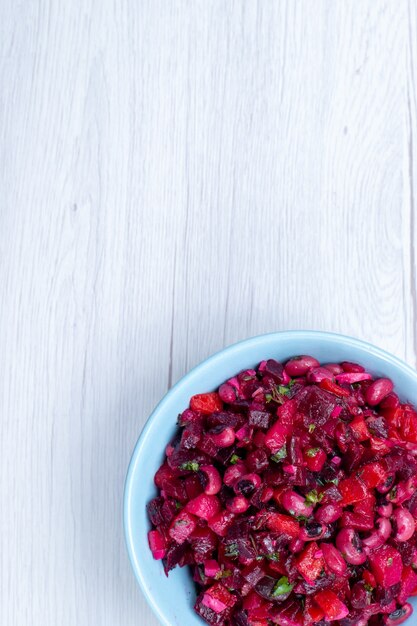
(281, 454)
(224, 573)
(274, 556)
(393, 493)
(313, 497)
(335, 481)
(190, 466)
(234, 459)
(389, 561)
(312, 452)
(311, 428)
(282, 586)
(276, 394)
(368, 587)
(232, 550)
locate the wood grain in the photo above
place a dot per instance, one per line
(176, 176)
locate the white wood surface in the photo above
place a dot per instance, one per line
(175, 176)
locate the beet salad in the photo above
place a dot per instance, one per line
(291, 494)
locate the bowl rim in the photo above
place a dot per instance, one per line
(235, 347)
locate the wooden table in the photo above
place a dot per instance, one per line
(175, 176)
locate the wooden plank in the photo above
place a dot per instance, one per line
(176, 176)
(410, 177)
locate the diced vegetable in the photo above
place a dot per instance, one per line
(291, 493)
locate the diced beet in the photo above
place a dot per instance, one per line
(352, 490)
(260, 419)
(373, 474)
(289, 614)
(182, 527)
(211, 617)
(241, 618)
(203, 542)
(283, 524)
(332, 607)
(218, 598)
(219, 523)
(157, 544)
(193, 486)
(154, 510)
(315, 405)
(315, 459)
(359, 429)
(257, 460)
(191, 435)
(163, 475)
(276, 436)
(206, 403)
(225, 418)
(175, 488)
(182, 459)
(169, 510)
(307, 563)
(253, 573)
(386, 565)
(274, 369)
(358, 521)
(408, 584)
(177, 554)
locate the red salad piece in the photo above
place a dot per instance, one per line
(206, 403)
(291, 494)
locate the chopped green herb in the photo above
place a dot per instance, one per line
(281, 454)
(234, 459)
(232, 550)
(312, 452)
(246, 378)
(335, 481)
(368, 587)
(301, 518)
(190, 466)
(273, 556)
(311, 428)
(392, 494)
(259, 558)
(282, 587)
(291, 512)
(313, 497)
(283, 390)
(276, 394)
(178, 505)
(202, 575)
(224, 573)
(389, 561)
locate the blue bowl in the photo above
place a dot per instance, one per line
(172, 598)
